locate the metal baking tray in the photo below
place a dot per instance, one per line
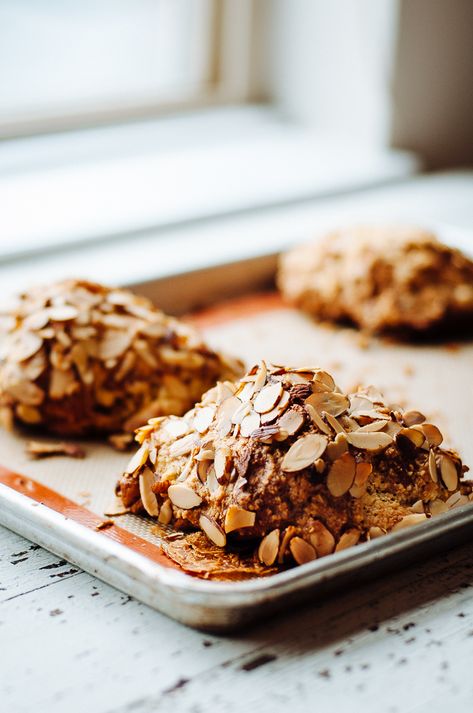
(59, 503)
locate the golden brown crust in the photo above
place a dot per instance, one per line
(284, 458)
(381, 279)
(82, 358)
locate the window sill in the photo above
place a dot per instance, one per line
(71, 189)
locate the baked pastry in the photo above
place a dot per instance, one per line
(82, 358)
(284, 459)
(380, 279)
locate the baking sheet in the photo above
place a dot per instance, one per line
(432, 378)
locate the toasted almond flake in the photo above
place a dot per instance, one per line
(371, 427)
(333, 403)
(221, 460)
(203, 418)
(26, 392)
(320, 465)
(36, 320)
(212, 482)
(411, 418)
(246, 391)
(437, 507)
(416, 437)
(243, 410)
(277, 410)
(338, 447)
(28, 414)
(237, 518)
(26, 346)
(332, 421)
(418, 507)
(202, 468)
(302, 551)
(321, 539)
(375, 532)
(304, 452)
(341, 475)
(138, 459)
(268, 548)
(359, 403)
(184, 497)
(449, 474)
(362, 473)
(432, 433)
(225, 390)
(148, 498)
(40, 449)
(433, 467)
(165, 513)
(63, 313)
(267, 398)
(408, 520)
(317, 419)
(176, 427)
(261, 377)
(324, 378)
(348, 539)
(369, 441)
(213, 530)
(249, 424)
(290, 422)
(288, 534)
(183, 446)
(456, 499)
(114, 343)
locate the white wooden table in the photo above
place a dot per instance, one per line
(403, 643)
(70, 643)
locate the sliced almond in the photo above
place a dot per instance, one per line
(304, 452)
(288, 534)
(277, 410)
(290, 422)
(212, 482)
(261, 375)
(28, 414)
(202, 469)
(138, 459)
(456, 500)
(182, 496)
(416, 437)
(302, 551)
(27, 344)
(213, 530)
(333, 403)
(324, 378)
(267, 398)
(203, 418)
(237, 518)
(369, 441)
(26, 392)
(432, 433)
(408, 520)
(176, 427)
(321, 539)
(348, 539)
(221, 460)
(183, 446)
(148, 498)
(165, 513)
(341, 475)
(411, 418)
(433, 467)
(371, 427)
(418, 507)
(63, 313)
(362, 473)
(317, 419)
(437, 507)
(338, 447)
(448, 471)
(249, 424)
(375, 532)
(268, 548)
(332, 421)
(114, 343)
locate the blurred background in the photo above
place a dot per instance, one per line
(144, 137)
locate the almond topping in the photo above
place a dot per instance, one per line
(165, 513)
(290, 422)
(341, 475)
(348, 539)
(268, 549)
(408, 520)
(268, 397)
(304, 452)
(432, 433)
(369, 441)
(333, 403)
(449, 473)
(138, 459)
(203, 418)
(183, 497)
(433, 467)
(321, 539)
(148, 498)
(213, 530)
(236, 518)
(412, 418)
(302, 551)
(249, 424)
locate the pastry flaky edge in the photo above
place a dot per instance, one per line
(81, 358)
(380, 279)
(284, 460)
